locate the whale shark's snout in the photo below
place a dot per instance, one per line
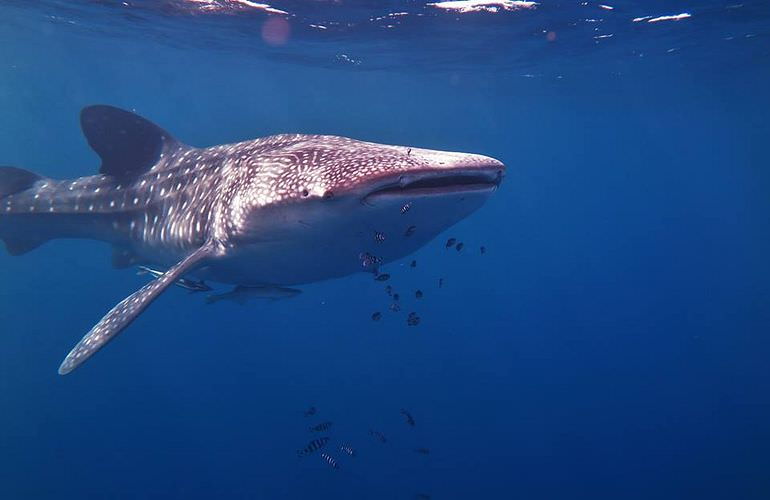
(415, 172)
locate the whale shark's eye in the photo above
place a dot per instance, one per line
(305, 193)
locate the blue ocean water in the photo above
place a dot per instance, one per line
(612, 342)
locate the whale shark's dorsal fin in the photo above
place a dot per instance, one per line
(128, 144)
(129, 309)
(14, 180)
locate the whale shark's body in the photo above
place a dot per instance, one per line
(281, 210)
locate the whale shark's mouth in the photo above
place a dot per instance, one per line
(433, 184)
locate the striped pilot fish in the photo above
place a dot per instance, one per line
(347, 450)
(323, 426)
(329, 460)
(379, 436)
(312, 446)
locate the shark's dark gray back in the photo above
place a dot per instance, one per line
(155, 190)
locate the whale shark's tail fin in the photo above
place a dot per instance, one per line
(12, 181)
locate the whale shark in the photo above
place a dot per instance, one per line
(282, 210)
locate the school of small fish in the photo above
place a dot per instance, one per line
(372, 262)
(345, 451)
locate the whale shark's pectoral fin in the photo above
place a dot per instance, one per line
(128, 310)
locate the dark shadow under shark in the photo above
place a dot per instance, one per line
(280, 210)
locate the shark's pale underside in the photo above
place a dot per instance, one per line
(280, 210)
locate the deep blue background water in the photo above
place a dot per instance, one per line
(611, 343)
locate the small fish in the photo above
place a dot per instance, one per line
(422, 496)
(323, 426)
(379, 237)
(408, 416)
(378, 435)
(396, 297)
(459, 246)
(394, 307)
(406, 207)
(329, 460)
(483, 250)
(413, 264)
(418, 294)
(241, 294)
(440, 282)
(188, 284)
(347, 450)
(376, 316)
(310, 411)
(410, 231)
(450, 242)
(369, 262)
(155, 273)
(413, 319)
(389, 290)
(312, 446)
(382, 277)
(422, 451)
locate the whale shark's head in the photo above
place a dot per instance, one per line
(349, 199)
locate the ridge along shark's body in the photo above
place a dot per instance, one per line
(281, 210)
